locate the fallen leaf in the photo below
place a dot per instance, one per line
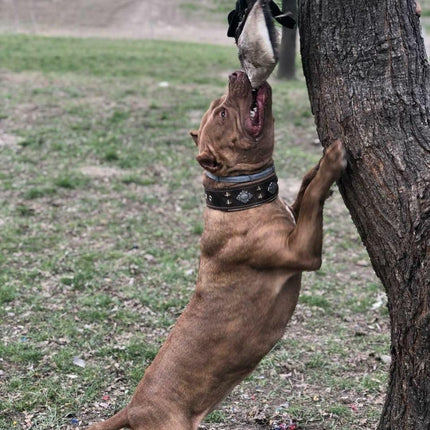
(78, 361)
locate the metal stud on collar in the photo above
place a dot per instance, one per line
(272, 188)
(244, 196)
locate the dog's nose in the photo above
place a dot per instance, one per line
(233, 76)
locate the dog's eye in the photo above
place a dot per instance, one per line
(223, 114)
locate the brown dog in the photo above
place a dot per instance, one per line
(252, 254)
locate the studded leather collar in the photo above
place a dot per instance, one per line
(243, 196)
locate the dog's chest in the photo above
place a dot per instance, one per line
(226, 238)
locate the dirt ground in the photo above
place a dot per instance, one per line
(136, 19)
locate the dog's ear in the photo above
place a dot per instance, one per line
(195, 135)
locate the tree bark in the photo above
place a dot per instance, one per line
(287, 57)
(369, 84)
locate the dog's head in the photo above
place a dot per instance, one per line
(236, 134)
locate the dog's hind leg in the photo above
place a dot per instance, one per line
(118, 421)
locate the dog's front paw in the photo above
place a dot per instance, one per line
(334, 159)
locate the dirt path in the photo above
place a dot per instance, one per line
(136, 19)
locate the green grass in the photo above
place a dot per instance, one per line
(163, 61)
(100, 218)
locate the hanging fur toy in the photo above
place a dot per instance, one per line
(252, 26)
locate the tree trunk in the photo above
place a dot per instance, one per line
(287, 57)
(369, 84)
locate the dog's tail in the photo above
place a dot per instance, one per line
(118, 421)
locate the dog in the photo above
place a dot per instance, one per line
(253, 250)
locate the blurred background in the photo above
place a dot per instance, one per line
(170, 19)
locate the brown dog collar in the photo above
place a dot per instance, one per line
(243, 196)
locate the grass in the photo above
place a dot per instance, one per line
(113, 59)
(100, 218)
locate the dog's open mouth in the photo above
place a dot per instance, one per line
(257, 101)
(255, 122)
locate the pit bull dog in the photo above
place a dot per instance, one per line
(253, 250)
